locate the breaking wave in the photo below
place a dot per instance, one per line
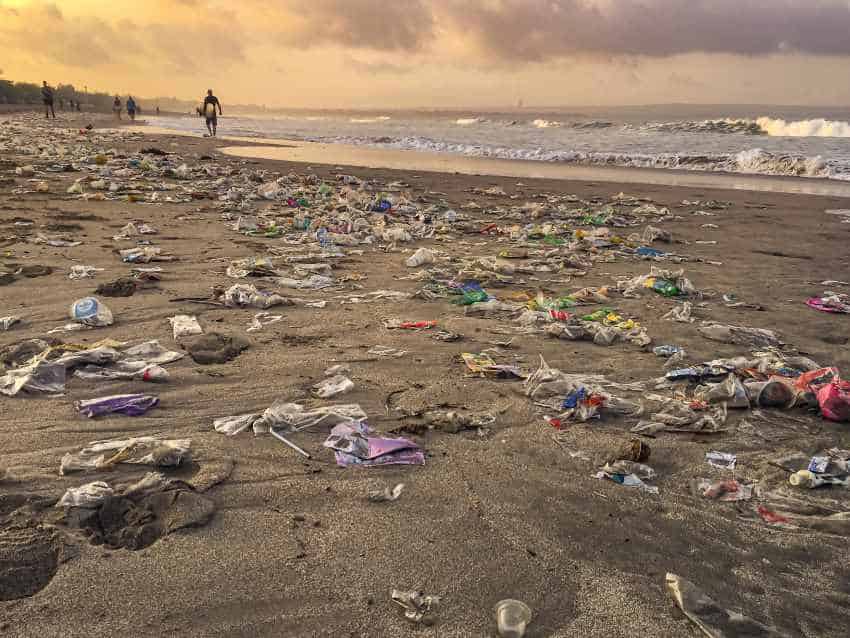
(369, 120)
(760, 126)
(753, 161)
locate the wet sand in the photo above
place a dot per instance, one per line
(295, 549)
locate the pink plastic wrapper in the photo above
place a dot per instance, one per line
(352, 445)
(834, 400)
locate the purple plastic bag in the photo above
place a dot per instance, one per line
(352, 445)
(129, 404)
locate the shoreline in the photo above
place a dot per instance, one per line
(285, 150)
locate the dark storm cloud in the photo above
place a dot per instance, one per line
(535, 30)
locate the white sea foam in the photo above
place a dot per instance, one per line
(804, 128)
(546, 124)
(369, 120)
(468, 121)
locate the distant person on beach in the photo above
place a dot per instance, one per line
(131, 108)
(78, 106)
(47, 98)
(116, 107)
(210, 104)
(157, 110)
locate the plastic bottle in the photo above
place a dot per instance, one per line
(805, 478)
(666, 288)
(90, 312)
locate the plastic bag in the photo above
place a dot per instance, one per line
(420, 258)
(333, 386)
(91, 312)
(834, 400)
(185, 326)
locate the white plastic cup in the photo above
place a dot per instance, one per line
(512, 617)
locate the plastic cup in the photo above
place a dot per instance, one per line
(512, 617)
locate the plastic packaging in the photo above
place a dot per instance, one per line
(185, 326)
(333, 386)
(805, 478)
(91, 312)
(420, 258)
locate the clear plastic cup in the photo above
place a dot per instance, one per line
(512, 617)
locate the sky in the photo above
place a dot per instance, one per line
(437, 53)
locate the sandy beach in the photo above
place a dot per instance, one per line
(506, 507)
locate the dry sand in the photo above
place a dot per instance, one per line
(294, 548)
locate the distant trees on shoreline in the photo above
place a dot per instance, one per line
(30, 93)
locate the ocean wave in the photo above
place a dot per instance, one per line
(369, 120)
(546, 124)
(753, 161)
(468, 121)
(804, 128)
(769, 126)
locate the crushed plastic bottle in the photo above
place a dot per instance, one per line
(91, 312)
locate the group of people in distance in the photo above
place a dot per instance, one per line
(210, 109)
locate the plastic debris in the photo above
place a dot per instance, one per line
(129, 404)
(712, 619)
(91, 312)
(388, 494)
(722, 460)
(89, 495)
(417, 605)
(353, 445)
(145, 450)
(184, 326)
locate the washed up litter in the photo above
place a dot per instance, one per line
(512, 618)
(833, 303)
(185, 326)
(354, 445)
(483, 365)
(37, 377)
(140, 370)
(333, 386)
(727, 490)
(251, 267)
(313, 282)
(630, 474)
(144, 255)
(83, 272)
(292, 416)
(806, 478)
(89, 495)
(721, 460)
(740, 335)
(386, 495)
(247, 296)
(416, 604)
(261, 320)
(397, 324)
(682, 314)
(145, 450)
(91, 312)
(129, 404)
(386, 351)
(421, 257)
(6, 323)
(712, 619)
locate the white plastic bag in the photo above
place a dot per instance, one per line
(420, 258)
(185, 326)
